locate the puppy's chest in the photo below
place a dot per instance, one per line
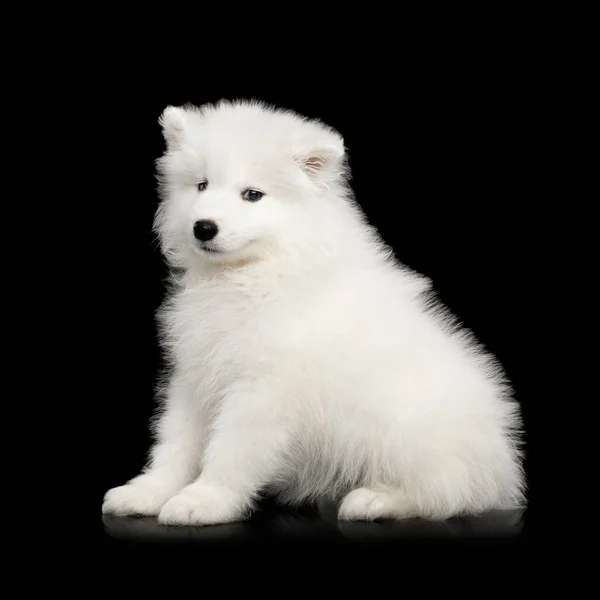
(223, 329)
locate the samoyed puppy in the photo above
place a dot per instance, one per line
(305, 361)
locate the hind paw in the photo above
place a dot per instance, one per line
(364, 504)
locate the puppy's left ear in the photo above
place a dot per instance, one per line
(172, 122)
(323, 161)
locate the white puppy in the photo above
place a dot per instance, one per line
(305, 361)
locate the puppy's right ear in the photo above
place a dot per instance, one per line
(172, 122)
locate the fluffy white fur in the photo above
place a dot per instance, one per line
(305, 361)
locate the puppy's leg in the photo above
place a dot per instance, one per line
(175, 459)
(245, 451)
(370, 504)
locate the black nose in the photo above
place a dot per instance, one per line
(205, 230)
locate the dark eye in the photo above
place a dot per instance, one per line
(252, 195)
(202, 186)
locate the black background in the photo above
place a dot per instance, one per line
(440, 152)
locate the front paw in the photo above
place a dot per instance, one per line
(202, 504)
(135, 499)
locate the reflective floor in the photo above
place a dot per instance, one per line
(278, 524)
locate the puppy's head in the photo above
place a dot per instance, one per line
(239, 181)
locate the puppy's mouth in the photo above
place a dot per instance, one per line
(210, 249)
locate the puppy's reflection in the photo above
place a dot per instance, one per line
(148, 529)
(274, 523)
(497, 524)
